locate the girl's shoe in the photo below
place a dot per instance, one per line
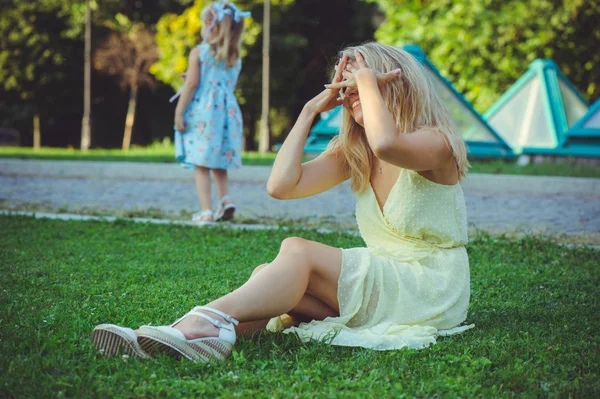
(172, 342)
(112, 340)
(225, 211)
(203, 218)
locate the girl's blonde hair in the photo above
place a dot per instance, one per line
(225, 35)
(413, 103)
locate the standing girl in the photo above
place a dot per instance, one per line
(208, 120)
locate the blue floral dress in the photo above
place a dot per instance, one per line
(213, 119)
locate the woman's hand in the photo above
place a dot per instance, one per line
(328, 98)
(351, 73)
(179, 122)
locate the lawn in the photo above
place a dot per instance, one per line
(535, 305)
(164, 153)
(154, 153)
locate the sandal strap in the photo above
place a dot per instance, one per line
(223, 199)
(206, 213)
(214, 322)
(217, 312)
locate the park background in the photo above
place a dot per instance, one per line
(84, 242)
(140, 47)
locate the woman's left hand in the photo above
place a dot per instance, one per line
(351, 73)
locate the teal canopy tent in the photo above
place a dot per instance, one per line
(323, 131)
(583, 138)
(535, 113)
(481, 139)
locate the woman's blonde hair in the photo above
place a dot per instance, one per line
(225, 35)
(413, 103)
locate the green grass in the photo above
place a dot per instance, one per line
(159, 152)
(534, 304)
(543, 169)
(155, 153)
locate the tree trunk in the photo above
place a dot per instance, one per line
(130, 117)
(37, 137)
(86, 135)
(263, 141)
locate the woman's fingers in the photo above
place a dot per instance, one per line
(339, 69)
(337, 85)
(346, 74)
(359, 59)
(386, 77)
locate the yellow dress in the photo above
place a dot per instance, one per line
(411, 283)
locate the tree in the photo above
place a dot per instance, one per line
(483, 46)
(35, 43)
(86, 134)
(41, 68)
(264, 139)
(128, 54)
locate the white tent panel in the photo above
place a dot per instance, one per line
(469, 126)
(523, 120)
(593, 121)
(575, 108)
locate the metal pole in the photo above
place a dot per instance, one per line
(263, 142)
(85, 122)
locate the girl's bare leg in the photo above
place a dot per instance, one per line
(222, 181)
(203, 187)
(301, 268)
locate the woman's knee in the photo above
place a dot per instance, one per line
(294, 246)
(258, 268)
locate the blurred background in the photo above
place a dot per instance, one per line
(139, 48)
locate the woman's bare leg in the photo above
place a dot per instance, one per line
(203, 187)
(309, 308)
(301, 267)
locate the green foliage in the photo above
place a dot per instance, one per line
(35, 43)
(534, 304)
(41, 68)
(484, 46)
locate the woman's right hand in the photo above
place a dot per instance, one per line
(328, 98)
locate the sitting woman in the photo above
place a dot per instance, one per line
(409, 285)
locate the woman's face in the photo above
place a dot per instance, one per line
(352, 100)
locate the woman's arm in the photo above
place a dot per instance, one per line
(191, 82)
(290, 178)
(423, 150)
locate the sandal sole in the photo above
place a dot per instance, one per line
(227, 214)
(110, 341)
(155, 341)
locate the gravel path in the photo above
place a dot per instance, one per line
(571, 214)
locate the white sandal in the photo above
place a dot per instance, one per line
(113, 340)
(224, 211)
(172, 342)
(199, 217)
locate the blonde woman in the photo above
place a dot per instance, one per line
(410, 283)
